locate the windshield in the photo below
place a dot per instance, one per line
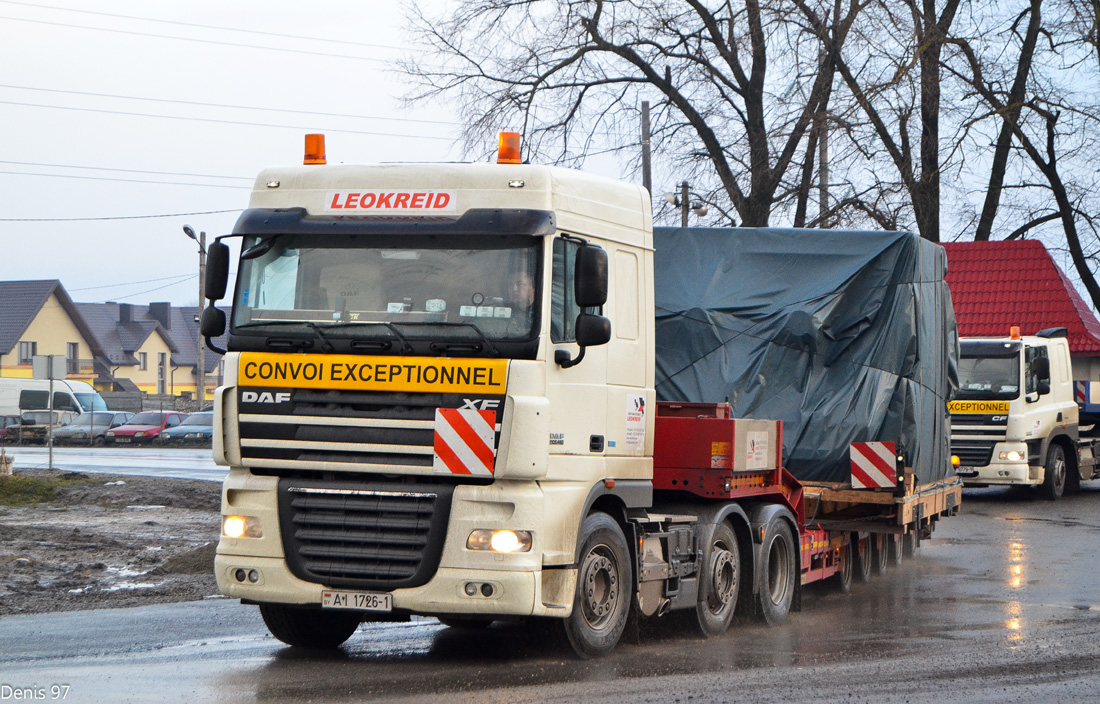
(146, 419)
(92, 419)
(199, 419)
(91, 402)
(390, 288)
(39, 416)
(989, 377)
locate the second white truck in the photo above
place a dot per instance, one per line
(1016, 419)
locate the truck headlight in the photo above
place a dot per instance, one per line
(1012, 456)
(500, 540)
(242, 527)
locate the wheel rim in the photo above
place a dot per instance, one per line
(1059, 471)
(778, 571)
(723, 578)
(600, 577)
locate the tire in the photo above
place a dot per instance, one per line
(309, 628)
(880, 553)
(863, 558)
(99, 441)
(601, 601)
(1054, 476)
(911, 543)
(721, 583)
(843, 578)
(778, 572)
(897, 548)
(469, 623)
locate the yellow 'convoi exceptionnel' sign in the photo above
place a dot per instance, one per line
(978, 407)
(359, 373)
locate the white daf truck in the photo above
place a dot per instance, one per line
(441, 400)
(1015, 420)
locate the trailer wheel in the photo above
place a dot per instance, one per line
(778, 571)
(1054, 478)
(721, 583)
(863, 557)
(843, 578)
(601, 602)
(912, 543)
(897, 549)
(309, 628)
(880, 553)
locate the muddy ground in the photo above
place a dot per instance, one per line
(108, 541)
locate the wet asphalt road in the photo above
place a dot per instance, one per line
(1002, 605)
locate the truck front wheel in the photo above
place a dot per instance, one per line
(721, 581)
(1054, 476)
(778, 571)
(602, 599)
(309, 628)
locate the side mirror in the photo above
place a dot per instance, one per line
(1042, 368)
(590, 282)
(593, 330)
(217, 274)
(1043, 388)
(211, 325)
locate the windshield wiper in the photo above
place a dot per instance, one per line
(326, 346)
(405, 346)
(459, 324)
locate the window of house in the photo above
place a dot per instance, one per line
(72, 357)
(27, 350)
(143, 361)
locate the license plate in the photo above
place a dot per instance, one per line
(367, 601)
(122, 439)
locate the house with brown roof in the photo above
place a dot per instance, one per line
(997, 285)
(39, 318)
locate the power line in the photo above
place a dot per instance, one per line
(129, 171)
(177, 277)
(200, 41)
(224, 122)
(326, 40)
(121, 217)
(123, 180)
(223, 105)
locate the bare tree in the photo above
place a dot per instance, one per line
(571, 73)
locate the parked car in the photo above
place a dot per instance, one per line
(9, 428)
(91, 428)
(35, 425)
(144, 427)
(196, 428)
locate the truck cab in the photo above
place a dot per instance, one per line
(1014, 420)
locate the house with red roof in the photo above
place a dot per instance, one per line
(996, 285)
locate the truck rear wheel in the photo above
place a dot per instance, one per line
(843, 577)
(1054, 476)
(912, 542)
(897, 549)
(309, 628)
(863, 558)
(778, 571)
(721, 582)
(602, 598)
(880, 553)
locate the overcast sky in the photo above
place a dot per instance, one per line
(119, 110)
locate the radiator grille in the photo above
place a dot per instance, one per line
(365, 536)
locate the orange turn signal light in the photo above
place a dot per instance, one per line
(508, 149)
(315, 149)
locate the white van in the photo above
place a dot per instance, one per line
(18, 395)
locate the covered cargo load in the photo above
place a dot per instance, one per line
(845, 336)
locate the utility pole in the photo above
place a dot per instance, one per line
(684, 207)
(200, 366)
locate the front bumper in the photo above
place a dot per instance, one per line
(542, 593)
(1002, 474)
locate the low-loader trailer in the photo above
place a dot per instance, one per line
(441, 399)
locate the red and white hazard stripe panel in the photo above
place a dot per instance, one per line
(873, 465)
(1079, 388)
(465, 441)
